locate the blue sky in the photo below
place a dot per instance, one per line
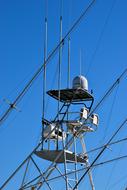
(101, 38)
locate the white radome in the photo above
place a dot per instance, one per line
(80, 82)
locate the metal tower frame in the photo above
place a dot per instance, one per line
(63, 157)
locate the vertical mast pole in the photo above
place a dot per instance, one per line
(80, 62)
(59, 72)
(44, 73)
(68, 77)
(59, 67)
(68, 81)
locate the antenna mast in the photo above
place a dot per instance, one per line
(69, 51)
(44, 73)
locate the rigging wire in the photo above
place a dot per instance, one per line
(118, 129)
(26, 169)
(109, 119)
(101, 152)
(21, 82)
(98, 164)
(124, 187)
(111, 112)
(114, 165)
(15, 116)
(98, 104)
(37, 73)
(82, 169)
(16, 88)
(112, 171)
(117, 182)
(108, 92)
(119, 79)
(108, 125)
(112, 143)
(53, 81)
(100, 37)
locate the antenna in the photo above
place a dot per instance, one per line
(39, 70)
(68, 81)
(44, 73)
(80, 65)
(77, 124)
(59, 64)
(80, 62)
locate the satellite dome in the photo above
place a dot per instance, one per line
(80, 82)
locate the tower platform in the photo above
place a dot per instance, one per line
(71, 95)
(51, 155)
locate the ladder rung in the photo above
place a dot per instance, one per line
(73, 161)
(70, 179)
(70, 170)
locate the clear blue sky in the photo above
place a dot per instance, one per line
(102, 39)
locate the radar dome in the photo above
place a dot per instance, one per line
(80, 82)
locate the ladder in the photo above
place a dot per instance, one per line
(71, 166)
